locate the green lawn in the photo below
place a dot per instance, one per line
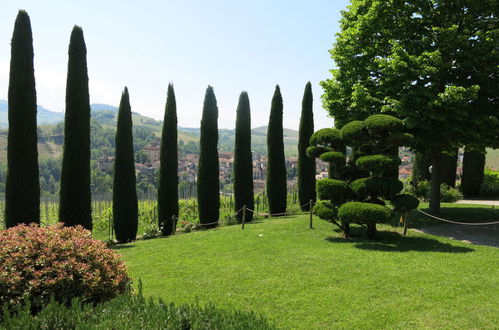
(303, 278)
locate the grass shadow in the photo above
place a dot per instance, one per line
(394, 242)
(456, 212)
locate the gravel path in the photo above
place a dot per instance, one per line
(481, 235)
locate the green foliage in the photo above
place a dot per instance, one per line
(490, 185)
(383, 125)
(208, 182)
(329, 138)
(473, 169)
(125, 205)
(422, 163)
(243, 163)
(306, 164)
(168, 171)
(132, 312)
(333, 157)
(325, 210)
(355, 133)
(22, 187)
(336, 191)
(314, 151)
(404, 203)
(447, 194)
(363, 213)
(55, 262)
(276, 166)
(75, 196)
(448, 164)
(378, 164)
(375, 187)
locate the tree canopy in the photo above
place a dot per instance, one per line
(432, 63)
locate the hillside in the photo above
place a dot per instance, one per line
(106, 115)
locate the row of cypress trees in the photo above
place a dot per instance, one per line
(22, 185)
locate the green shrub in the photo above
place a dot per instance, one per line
(376, 187)
(490, 185)
(333, 157)
(325, 210)
(57, 262)
(447, 194)
(355, 133)
(363, 213)
(132, 312)
(404, 203)
(314, 151)
(382, 125)
(336, 191)
(360, 188)
(327, 137)
(378, 164)
(400, 139)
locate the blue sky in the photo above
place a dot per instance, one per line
(231, 45)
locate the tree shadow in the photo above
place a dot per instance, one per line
(122, 246)
(394, 242)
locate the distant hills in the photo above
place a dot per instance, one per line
(106, 115)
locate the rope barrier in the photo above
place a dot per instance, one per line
(460, 223)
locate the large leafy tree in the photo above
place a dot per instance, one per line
(75, 196)
(276, 166)
(125, 205)
(243, 162)
(306, 165)
(22, 186)
(168, 170)
(431, 62)
(208, 182)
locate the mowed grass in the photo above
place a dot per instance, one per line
(313, 278)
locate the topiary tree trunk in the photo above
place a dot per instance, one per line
(473, 168)
(168, 170)
(243, 162)
(125, 205)
(22, 186)
(208, 181)
(75, 198)
(306, 165)
(276, 166)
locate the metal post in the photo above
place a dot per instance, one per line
(244, 215)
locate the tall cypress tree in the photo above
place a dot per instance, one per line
(75, 197)
(306, 165)
(208, 182)
(243, 162)
(125, 205)
(276, 166)
(473, 168)
(22, 186)
(168, 173)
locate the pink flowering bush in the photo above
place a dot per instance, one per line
(60, 262)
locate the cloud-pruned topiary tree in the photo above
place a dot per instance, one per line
(357, 190)
(22, 186)
(75, 207)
